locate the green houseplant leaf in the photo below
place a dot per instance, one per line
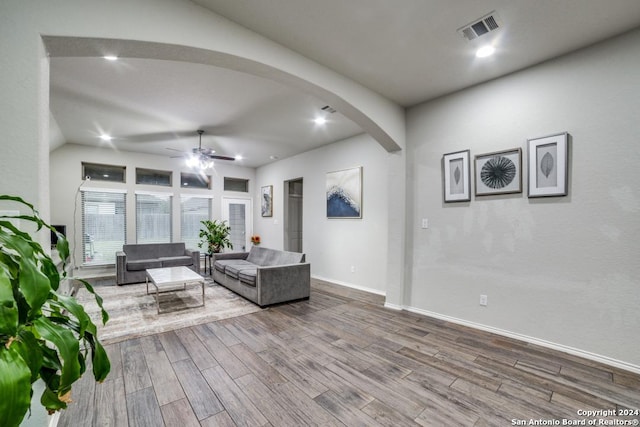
(15, 387)
(43, 334)
(215, 236)
(8, 306)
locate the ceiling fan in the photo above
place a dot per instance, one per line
(201, 157)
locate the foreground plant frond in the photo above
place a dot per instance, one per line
(43, 334)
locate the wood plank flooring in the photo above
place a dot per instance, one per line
(342, 359)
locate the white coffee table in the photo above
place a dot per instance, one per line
(171, 279)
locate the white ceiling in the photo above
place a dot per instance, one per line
(407, 50)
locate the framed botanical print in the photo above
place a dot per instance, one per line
(499, 172)
(548, 165)
(456, 177)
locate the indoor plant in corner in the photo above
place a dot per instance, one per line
(43, 334)
(215, 235)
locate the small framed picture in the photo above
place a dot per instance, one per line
(266, 203)
(499, 172)
(456, 176)
(548, 165)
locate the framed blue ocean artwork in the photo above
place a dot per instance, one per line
(344, 193)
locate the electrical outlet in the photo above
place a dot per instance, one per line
(425, 223)
(483, 300)
(353, 268)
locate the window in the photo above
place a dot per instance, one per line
(153, 218)
(193, 209)
(236, 184)
(153, 177)
(98, 172)
(194, 180)
(103, 226)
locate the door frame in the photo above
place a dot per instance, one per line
(285, 219)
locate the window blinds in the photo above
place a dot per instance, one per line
(193, 209)
(153, 218)
(104, 228)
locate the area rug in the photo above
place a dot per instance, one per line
(133, 313)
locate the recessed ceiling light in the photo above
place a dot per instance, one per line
(485, 51)
(106, 137)
(110, 57)
(320, 120)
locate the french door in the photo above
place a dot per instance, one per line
(237, 213)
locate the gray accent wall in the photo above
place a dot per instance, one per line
(563, 271)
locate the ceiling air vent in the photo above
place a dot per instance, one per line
(482, 26)
(328, 109)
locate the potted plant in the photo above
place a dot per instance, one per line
(43, 334)
(215, 235)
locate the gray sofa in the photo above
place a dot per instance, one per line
(264, 276)
(133, 260)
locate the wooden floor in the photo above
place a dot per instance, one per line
(342, 359)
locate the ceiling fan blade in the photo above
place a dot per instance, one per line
(215, 156)
(200, 151)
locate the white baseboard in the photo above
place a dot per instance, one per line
(53, 419)
(563, 348)
(394, 306)
(350, 285)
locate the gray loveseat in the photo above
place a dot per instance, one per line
(264, 276)
(133, 260)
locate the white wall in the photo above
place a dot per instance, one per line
(66, 178)
(333, 246)
(562, 270)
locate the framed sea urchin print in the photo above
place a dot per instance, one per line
(499, 172)
(344, 193)
(456, 177)
(548, 165)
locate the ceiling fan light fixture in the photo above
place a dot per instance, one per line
(192, 161)
(199, 162)
(202, 158)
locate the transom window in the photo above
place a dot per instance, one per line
(195, 180)
(153, 177)
(98, 172)
(236, 184)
